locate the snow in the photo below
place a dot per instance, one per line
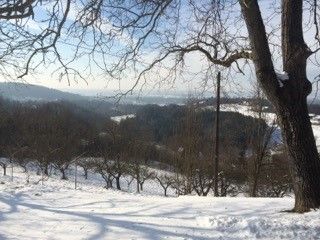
(270, 118)
(122, 117)
(315, 119)
(55, 210)
(282, 76)
(246, 110)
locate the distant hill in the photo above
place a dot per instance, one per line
(28, 92)
(22, 92)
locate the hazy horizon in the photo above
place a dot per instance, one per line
(173, 92)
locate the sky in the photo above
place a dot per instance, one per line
(189, 83)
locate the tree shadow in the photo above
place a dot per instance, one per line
(105, 221)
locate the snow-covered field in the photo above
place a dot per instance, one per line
(270, 118)
(122, 117)
(55, 210)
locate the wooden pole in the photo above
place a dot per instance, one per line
(76, 161)
(216, 146)
(11, 170)
(76, 176)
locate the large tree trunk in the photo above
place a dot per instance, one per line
(293, 110)
(303, 156)
(288, 97)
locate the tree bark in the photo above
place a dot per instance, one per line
(85, 170)
(46, 170)
(293, 110)
(138, 186)
(118, 182)
(138, 178)
(256, 173)
(260, 150)
(289, 97)
(63, 172)
(109, 183)
(253, 191)
(303, 156)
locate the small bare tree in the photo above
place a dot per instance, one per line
(4, 164)
(276, 179)
(100, 167)
(165, 181)
(86, 163)
(261, 142)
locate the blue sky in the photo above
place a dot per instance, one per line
(188, 83)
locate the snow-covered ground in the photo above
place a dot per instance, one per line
(122, 117)
(55, 210)
(270, 118)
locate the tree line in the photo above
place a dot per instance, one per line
(178, 140)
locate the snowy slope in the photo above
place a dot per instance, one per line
(270, 118)
(55, 210)
(118, 119)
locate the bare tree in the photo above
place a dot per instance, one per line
(113, 150)
(289, 98)
(101, 168)
(115, 169)
(4, 164)
(139, 172)
(165, 181)
(144, 175)
(86, 163)
(232, 174)
(16, 9)
(29, 34)
(275, 180)
(260, 142)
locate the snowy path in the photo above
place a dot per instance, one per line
(59, 212)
